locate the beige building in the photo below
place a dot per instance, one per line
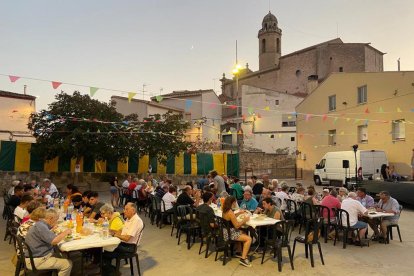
(202, 109)
(373, 110)
(269, 123)
(296, 73)
(15, 110)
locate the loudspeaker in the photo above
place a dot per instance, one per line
(345, 164)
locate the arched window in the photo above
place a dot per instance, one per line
(278, 45)
(263, 45)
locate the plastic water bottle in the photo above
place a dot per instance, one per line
(218, 203)
(69, 211)
(61, 202)
(105, 229)
(51, 205)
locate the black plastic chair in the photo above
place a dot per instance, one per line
(389, 228)
(131, 256)
(208, 234)
(188, 224)
(342, 218)
(223, 244)
(22, 245)
(158, 205)
(279, 237)
(291, 212)
(312, 234)
(328, 223)
(306, 213)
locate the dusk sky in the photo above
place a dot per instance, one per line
(177, 44)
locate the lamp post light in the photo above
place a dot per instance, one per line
(236, 73)
(355, 147)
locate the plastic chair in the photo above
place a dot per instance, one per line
(312, 233)
(320, 210)
(342, 218)
(306, 213)
(389, 228)
(22, 246)
(291, 212)
(207, 232)
(131, 256)
(188, 224)
(222, 244)
(284, 230)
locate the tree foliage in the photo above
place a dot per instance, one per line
(76, 126)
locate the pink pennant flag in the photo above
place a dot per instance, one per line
(308, 116)
(324, 117)
(233, 107)
(213, 104)
(56, 84)
(367, 110)
(259, 116)
(14, 78)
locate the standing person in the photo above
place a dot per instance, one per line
(237, 190)
(41, 240)
(235, 234)
(114, 191)
(219, 184)
(201, 182)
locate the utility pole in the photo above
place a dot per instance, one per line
(143, 91)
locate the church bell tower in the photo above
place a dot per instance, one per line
(270, 40)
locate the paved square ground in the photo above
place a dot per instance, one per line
(160, 255)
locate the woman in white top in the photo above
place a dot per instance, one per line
(169, 198)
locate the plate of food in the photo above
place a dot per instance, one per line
(68, 238)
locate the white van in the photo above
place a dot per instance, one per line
(340, 166)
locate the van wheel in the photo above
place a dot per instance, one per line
(317, 180)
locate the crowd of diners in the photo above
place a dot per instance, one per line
(263, 196)
(39, 220)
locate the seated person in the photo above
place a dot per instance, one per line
(282, 195)
(393, 174)
(114, 218)
(71, 191)
(20, 212)
(205, 210)
(299, 195)
(77, 202)
(34, 216)
(271, 210)
(386, 204)
(343, 193)
(235, 234)
(169, 199)
(85, 203)
(366, 200)
(34, 204)
(249, 202)
(332, 202)
(41, 240)
(49, 189)
(129, 234)
(311, 197)
(355, 209)
(185, 199)
(14, 200)
(95, 206)
(160, 191)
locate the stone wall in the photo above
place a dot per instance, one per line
(280, 166)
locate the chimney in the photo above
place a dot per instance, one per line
(312, 83)
(24, 89)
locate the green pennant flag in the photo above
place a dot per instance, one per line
(159, 98)
(92, 91)
(381, 110)
(250, 110)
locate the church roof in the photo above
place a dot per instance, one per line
(269, 18)
(186, 93)
(332, 41)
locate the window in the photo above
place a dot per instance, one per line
(398, 130)
(288, 120)
(298, 73)
(276, 102)
(332, 137)
(363, 134)
(272, 136)
(292, 139)
(341, 69)
(362, 94)
(332, 102)
(278, 45)
(263, 45)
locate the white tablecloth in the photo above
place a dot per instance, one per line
(91, 241)
(253, 222)
(372, 215)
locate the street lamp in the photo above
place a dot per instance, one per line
(355, 147)
(236, 72)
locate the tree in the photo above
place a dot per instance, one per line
(77, 126)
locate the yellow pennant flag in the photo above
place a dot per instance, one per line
(267, 108)
(399, 109)
(131, 95)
